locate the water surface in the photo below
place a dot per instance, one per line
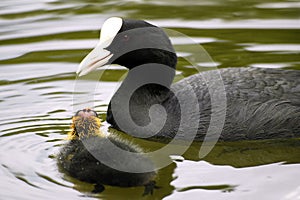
(41, 45)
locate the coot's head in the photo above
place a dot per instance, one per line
(129, 43)
(85, 123)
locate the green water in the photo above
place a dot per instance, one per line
(41, 45)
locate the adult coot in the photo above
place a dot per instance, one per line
(255, 103)
(94, 157)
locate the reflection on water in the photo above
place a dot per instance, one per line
(232, 183)
(41, 44)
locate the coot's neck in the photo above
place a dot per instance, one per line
(144, 86)
(151, 71)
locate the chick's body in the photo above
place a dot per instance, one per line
(93, 157)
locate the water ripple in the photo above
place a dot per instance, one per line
(41, 45)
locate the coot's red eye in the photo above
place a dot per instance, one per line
(125, 38)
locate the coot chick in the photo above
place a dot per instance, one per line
(94, 157)
(254, 103)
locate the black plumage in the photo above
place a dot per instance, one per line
(261, 103)
(93, 157)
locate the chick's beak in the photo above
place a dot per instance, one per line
(98, 57)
